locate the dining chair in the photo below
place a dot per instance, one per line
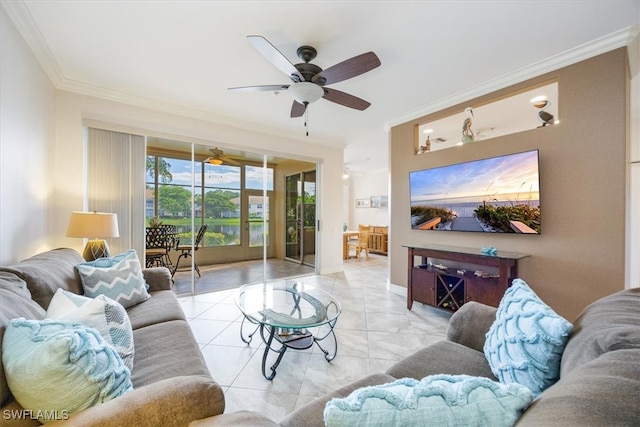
(186, 250)
(362, 243)
(158, 243)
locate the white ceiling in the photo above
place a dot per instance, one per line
(183, 55)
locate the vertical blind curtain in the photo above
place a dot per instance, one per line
(116, 184)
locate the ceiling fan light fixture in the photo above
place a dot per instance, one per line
(215, 161)
(306, 92)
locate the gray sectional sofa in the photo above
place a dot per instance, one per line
(599, 376)
(172, 385)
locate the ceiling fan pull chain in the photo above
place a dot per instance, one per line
(306, 118)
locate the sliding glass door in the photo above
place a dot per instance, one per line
(300, 217)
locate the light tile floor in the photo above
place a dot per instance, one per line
(374, 331)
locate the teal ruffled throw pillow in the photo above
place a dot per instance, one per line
(525, 343)
(55, 368)
(436, 400)
(118, 277)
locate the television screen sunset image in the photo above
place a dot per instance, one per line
(496, 195)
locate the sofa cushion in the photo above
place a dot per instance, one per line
(101, 313)
(603, 392)
(442, 357)
(163, 306)
(311, 414)
(166, 350)
(526, 341)
(157, 278)
(444, 400)
(119, 277)
(55, 368)
(15, 301)
(470, 323)
(611, 323)
(46, 272)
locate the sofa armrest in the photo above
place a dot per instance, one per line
(236, 419)
(469, 325)
(171, 402)
(158, 278)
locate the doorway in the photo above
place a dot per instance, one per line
(300, 218)
(256, 209)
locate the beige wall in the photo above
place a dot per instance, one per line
(580, 255)
(633, 210)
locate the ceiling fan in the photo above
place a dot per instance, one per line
(218, 158)
(308, 80)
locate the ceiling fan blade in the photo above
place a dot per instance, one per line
(346, 69)
(229, 161)
(345, 99)
(297, 109)
(263, 88)
(274, 56)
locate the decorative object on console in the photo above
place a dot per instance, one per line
(440, 399)
(95, 226)
(55, 367)
(525, 343)
(490, 251)
(119, 277)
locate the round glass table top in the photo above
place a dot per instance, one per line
(287, 304)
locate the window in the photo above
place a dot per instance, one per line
(255, 178)
(223, 199)
(217, 198)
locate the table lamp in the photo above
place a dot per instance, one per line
(95, 226)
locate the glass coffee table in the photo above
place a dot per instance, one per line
(288, 314)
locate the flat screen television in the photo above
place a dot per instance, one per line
(494, 195)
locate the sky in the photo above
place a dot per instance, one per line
(221, 176)
(486, 179)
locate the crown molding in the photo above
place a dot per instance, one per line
(22, 19)
(24, 22)
(588, 50)
(189, 112)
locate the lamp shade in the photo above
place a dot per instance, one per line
(93, 225)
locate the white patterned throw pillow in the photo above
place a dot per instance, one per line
(102, 313)
(118, 277)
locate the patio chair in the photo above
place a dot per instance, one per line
(185, 250)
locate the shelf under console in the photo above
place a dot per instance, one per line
(449, 287)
